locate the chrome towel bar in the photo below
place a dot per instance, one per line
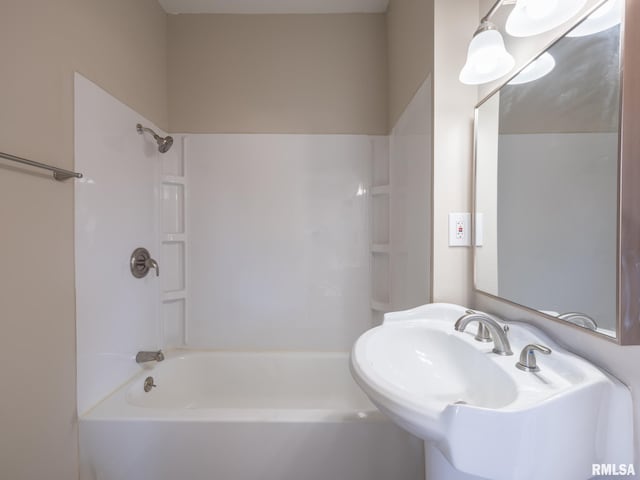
(59, 174)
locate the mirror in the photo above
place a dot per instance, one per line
(546, 183)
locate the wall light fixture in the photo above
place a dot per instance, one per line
(487, 57)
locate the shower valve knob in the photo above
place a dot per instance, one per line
(141, 262)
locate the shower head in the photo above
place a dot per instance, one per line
(164, 143)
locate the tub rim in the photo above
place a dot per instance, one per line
(116, 407)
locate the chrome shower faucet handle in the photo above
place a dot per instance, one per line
(141, 262)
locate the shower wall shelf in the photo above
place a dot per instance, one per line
(174, 235)
(380, 246)
(174, 179)
(174, 295)
(381, 190)
(59, 174)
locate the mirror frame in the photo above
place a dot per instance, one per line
(628, 242)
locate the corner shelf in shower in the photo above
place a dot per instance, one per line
(174, 237)
(174, 231)
(380, 247)
(381, 190)
(173, 179)
(174, 295)
(380, 231)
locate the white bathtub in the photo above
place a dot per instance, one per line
(236, 416)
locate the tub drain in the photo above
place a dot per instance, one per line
(148, 384)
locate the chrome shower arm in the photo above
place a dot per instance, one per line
(164, 143)
(142, 129)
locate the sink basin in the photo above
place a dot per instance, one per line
(487, 417)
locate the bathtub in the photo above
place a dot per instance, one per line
(245, 415)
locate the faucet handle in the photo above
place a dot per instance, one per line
(141, 262)
(528, 361)
(151, 263)
(483, 334)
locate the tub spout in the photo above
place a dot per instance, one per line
(143, 357)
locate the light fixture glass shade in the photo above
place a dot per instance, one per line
(540, 67)
(608, 15)
(487, 59)
(532, 17)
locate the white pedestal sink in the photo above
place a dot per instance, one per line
(488, 418)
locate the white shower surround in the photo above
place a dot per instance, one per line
(278, 252)
(401, 213)
(116, 211)
(410, 161)
(278, 241)
(278, 256)
(290, 269)
(299, 281)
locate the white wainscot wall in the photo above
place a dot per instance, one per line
(401, 211)
(116, 211)
(410, 163)
(279, 241)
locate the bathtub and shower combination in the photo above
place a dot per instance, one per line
(244, 415)
(235, 299)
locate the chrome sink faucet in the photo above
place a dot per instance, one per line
(143, 357)
(498, 334)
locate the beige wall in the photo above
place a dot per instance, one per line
(432, 36)
(410, 37)
(454, 23)
(121, 45)
(278, 74)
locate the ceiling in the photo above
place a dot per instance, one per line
(274, 6)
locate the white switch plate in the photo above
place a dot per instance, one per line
(460, 229)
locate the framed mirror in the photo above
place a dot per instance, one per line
(555, 190)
